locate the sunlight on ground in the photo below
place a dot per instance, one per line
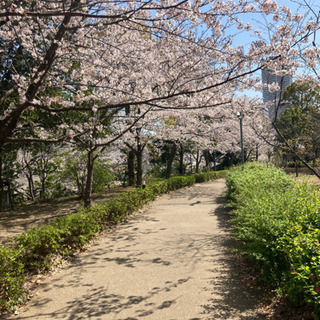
(312, 180)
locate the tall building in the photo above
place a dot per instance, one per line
(272, 98)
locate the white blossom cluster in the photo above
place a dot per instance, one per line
(103, 68)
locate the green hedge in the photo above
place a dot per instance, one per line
(210, 175)
(35, 250)
(278, 224)
(12, 276)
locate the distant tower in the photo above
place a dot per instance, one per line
(274, 97)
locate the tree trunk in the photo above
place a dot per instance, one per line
(198, 161)
(43, 185)
(43, 175)
(79, 186)
(247, 154)
(139, 155)
(31, 186)
(131, 157)
(206, 157)
(10, 195)
(88, 188)
(191, 167)
(214, 161)
(170, 161)
(1, 182)
(131, 173)
(269, 153)
(181, 154)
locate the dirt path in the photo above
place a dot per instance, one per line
(172, 262)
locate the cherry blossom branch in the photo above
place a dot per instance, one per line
(41, 72)
(117, 137)
(143, 7)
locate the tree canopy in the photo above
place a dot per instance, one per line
(70, 70)
(298, 125)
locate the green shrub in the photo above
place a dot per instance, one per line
(278, 224)
(158, 188)
(175, 183)
(75, 230)
(12, 291)
(209, 175)
(38, 246)
(102, 174)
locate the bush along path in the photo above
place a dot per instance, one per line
(35, 251)
(28, 216)
(278, 223)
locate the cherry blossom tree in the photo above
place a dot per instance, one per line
(89, 57)
(133, 53)
(218, 130)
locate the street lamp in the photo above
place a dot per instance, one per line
(240, 116)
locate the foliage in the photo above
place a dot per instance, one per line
(292, 123)
(298, 124)
(277, 222)
(9, 172)
(12, 278)
(178, 182)
(38, 246)
(38, 160)
(209, 175)
(75, 171)
(291, 164)
(102, 174)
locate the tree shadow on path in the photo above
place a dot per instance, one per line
(231, 299)
(98, 304)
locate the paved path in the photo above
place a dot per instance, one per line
(172, 262)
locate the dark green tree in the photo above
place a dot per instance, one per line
(297, 127)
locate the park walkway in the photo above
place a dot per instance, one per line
(171, 262)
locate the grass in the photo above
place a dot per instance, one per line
(312, 180)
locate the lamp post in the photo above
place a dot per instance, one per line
(240, 116)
